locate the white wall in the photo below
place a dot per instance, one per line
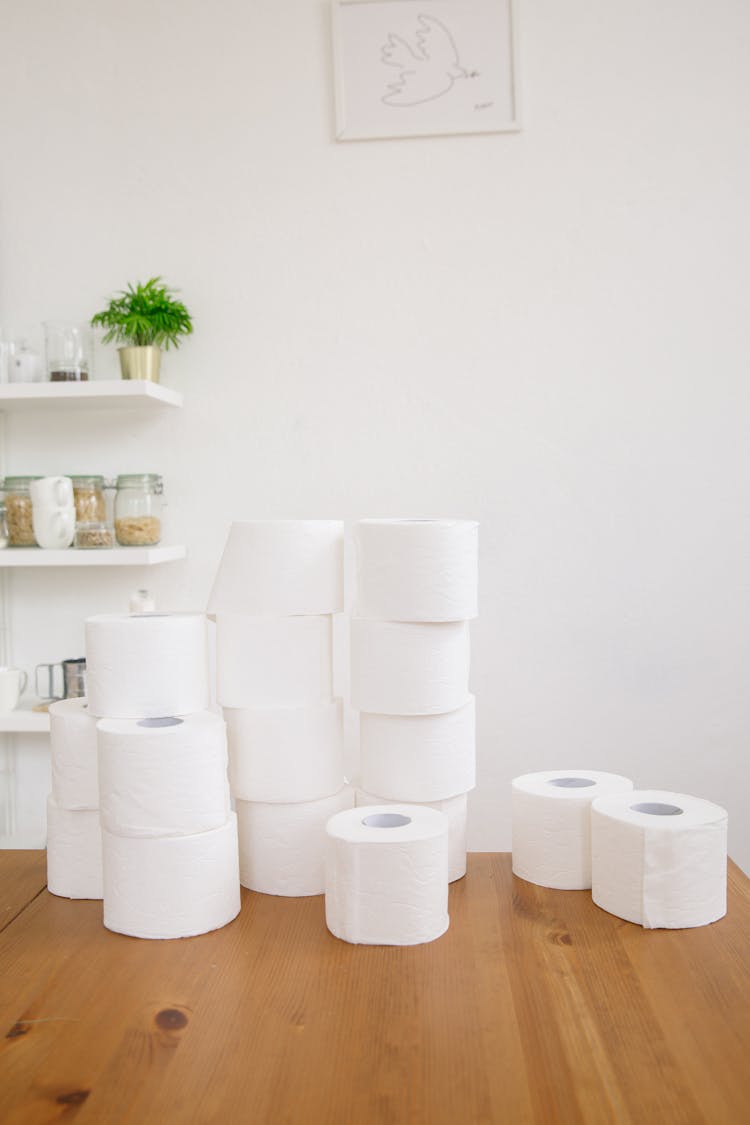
(547, 331)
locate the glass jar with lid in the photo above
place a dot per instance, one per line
(138, 502)
(88, 497)
(18, 511)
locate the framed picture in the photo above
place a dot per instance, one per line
(414, 68)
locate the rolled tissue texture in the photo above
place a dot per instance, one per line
(659, 859)
(387, 875)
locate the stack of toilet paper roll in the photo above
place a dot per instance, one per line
(278, 585)
(169, 837)
(651, 857)
(416, 592)
(74, 842)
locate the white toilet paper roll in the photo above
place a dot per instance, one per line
(416, 570)
(143, 666)
(282, 847)
(163, 777)
(74, 852)
(281, 568)
(408, 669)
(455, 809)
(387, 875)
(551, 813)
(419, 758)
(72, 727)
(173, 886)
(288, 755)
(273, 662)
(659, 859)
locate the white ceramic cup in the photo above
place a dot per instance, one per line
(12, 684)
(51, 492)
(54, 528)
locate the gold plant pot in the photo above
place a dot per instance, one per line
(140, 363)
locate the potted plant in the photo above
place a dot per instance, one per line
(144, 319)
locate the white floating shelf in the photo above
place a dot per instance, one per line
(97, 394)
(106, 556)
(24, 721)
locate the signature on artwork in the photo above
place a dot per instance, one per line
(428, 64)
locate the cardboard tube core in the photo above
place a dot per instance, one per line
(655, 808)
(386, 820)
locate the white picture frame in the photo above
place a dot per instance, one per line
(415, 68)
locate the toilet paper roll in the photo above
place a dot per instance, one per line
(416, 570)
(74, 852)
(408, 669)
(273, 662)
(143, 666)
(282, 847)
(288, 755)
(280, 568)
(659, 859)
(75, 783)
(163, 777)
(455, 809)
(387, 875)
(173, 886)
(551, 814)
(419, 758)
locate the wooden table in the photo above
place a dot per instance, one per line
(535, 1006)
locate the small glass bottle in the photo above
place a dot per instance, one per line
(24, 364)
(138, 509)
(141, 601)
(18, 511)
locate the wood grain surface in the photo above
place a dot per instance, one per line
(23, 875)
(535, 1006)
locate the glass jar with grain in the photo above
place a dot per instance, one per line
(138, 509)
(88, 497)
(18, 511)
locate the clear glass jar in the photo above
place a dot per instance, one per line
(138, 509)
(24, 364)
(68, 348)
(18, 511)
(88, 497)
(93, 535)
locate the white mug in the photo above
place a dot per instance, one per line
(12, 684)
(54, 528)
(51, 492)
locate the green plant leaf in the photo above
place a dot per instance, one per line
(145, 314)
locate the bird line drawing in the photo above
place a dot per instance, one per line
(429, 65)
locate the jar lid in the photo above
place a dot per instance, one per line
(18, 482)
(93, 481)
(151, 481)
